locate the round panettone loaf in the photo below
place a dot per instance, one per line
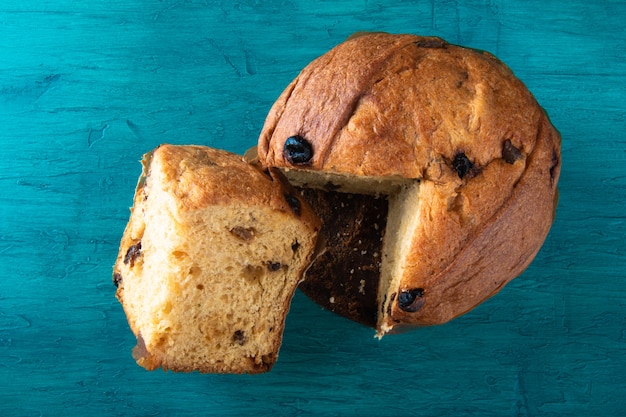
(210, 259)
(432, 167)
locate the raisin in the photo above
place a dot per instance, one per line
(297, 150)
(462, 165)
(117, 279)
(294, 203)
(431, 43)
(239, 337)
(411, 300)
(391, 298)
(463, 77)
(329, 186)
(273, 266)
(510, 153)
(382, 305)
(295, 245)
(554, 164)
(243, 233)
(133, 252)
(268, 359)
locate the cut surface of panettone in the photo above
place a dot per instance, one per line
(209, 261)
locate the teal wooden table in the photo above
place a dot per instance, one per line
(87, 87)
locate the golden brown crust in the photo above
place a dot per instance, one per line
(457, 120)
(393, 104)
(197, 166)
(494, 251)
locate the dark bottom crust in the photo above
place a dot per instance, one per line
(344, 279)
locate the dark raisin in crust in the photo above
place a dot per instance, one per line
(554, 164)
(411, 300)
(298, 150)
(431, 43)
(462, 165)
(510, 153)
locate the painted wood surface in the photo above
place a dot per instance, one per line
(87, 87)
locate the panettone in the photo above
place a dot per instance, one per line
(433, 168)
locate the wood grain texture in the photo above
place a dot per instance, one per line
(87, 87)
